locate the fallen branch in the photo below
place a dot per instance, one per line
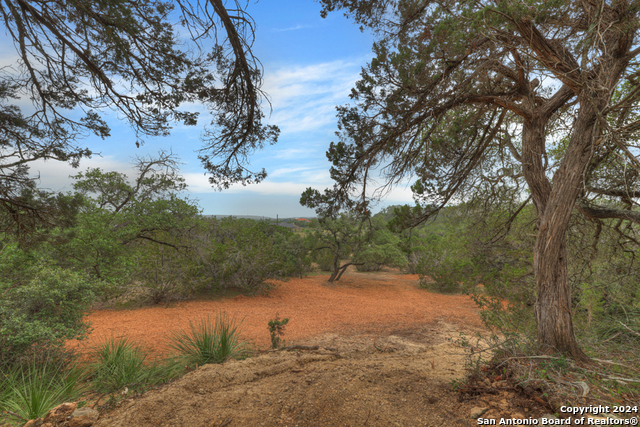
(15, 415)
(629, 380)
(629, 329)
(300, 347)
(609, 339)
(611, 362)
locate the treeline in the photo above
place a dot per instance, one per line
(119, 239)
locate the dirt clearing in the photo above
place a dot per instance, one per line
(359, 303)
(384, 357)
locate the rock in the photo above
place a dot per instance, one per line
(518, 416)
(84, 417)
(60, 413)
(503, 404)
(491, 413)
(476, 412)
(34, 423)
(81, 422)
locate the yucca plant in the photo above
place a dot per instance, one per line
(119, 363)
(31, 391)
(209, 341)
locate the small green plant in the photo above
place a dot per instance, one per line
(276, 329)
(119, 364)
(30, 391)
(210, 342)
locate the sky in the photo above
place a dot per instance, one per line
(310, 65)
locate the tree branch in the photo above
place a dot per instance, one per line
(600, 212)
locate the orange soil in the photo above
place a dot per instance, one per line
(359, 303)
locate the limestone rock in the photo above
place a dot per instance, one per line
(84, 417)
(60, 413)
(477, 412)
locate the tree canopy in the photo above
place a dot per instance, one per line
(145, 60)
(534, 102)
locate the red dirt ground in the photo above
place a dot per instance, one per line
(359, 303)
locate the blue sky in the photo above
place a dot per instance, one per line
(310, 65)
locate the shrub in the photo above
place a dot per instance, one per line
(375, 257)
(276, 330)
(42, 308)
(210, 341)
(164, 273)
(324, 259)
(247, 255)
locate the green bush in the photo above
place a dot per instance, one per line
(375, 257)
(42, 308)
(324, 259)
(210, 341)
(246, 254)
(445, 266)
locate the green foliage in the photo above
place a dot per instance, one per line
(31, 390)
(41, 306)
(443, 261)
(164, 272)
(246, 254)
(324, 258)
(210, 341)
(118, 215)
(276, 330)
(383, 249)
(375, 257)
(120, 363)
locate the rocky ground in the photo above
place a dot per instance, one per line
(398, 380)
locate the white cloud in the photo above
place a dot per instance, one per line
(287, 171)
(282, 181)
(54, 175)
(294, 28)
(304, 97)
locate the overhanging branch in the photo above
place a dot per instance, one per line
(603, 213)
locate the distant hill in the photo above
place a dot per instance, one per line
(254, 217)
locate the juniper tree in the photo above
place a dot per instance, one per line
(144, 60)
(539, 98)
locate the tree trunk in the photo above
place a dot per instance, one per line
(336, 267)
(553, 304)
(554, 205)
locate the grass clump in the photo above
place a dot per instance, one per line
(29, 391)
(120, 363)
(210, 341)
